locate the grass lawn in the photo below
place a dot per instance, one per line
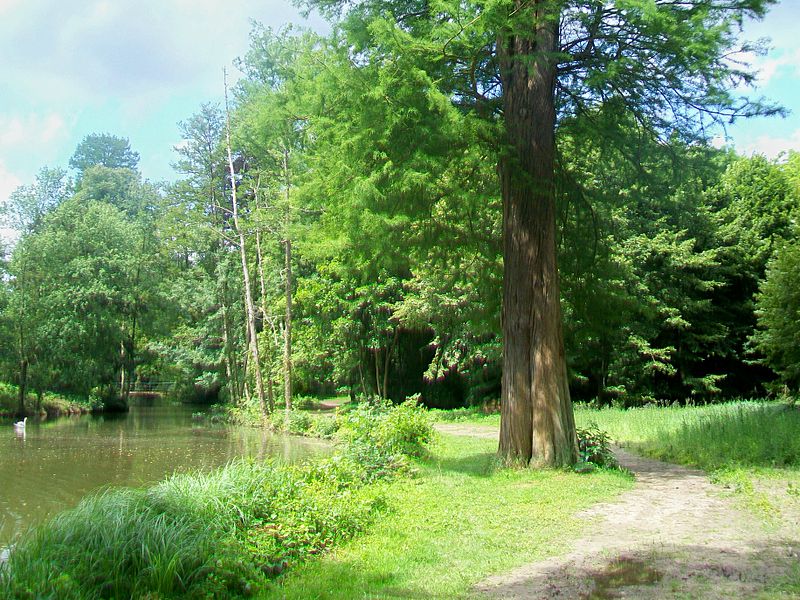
(753, 448)
(459, 520)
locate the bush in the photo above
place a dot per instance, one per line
(380, 436)
(304, 403)
(220, 534)
(594, 447)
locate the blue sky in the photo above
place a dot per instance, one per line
(134, 68)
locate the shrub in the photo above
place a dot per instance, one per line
(594, 447)
(324, 426)
(407, 428)
(304, 403)
(218, 534)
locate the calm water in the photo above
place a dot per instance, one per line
(55, 463)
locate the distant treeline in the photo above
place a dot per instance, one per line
(368, 201)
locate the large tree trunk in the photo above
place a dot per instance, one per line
(537, 423)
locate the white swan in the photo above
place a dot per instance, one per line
(20, 425)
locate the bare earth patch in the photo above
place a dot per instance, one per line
(674, 535)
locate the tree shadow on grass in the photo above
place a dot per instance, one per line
(479, 464)
(337, 579)
(684, 571)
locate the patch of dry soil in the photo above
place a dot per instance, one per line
(674, 535)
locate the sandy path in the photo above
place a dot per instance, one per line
(674, 535)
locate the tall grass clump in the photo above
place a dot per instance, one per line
(214, 535)
(744, 433)
(114, 544)
(741, 434)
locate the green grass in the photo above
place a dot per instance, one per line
(458, 521)
(751, 448)
(738, 434)
(756, 435)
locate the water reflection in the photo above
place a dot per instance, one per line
(49, 466)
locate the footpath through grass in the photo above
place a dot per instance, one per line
(382, 517)
(459, 520)
(752, 448)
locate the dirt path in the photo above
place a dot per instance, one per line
(674, 535)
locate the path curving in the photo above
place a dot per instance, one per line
(674, 535)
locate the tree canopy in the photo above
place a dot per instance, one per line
(410, 204)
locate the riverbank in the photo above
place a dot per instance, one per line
(49, 405)
(220, 534)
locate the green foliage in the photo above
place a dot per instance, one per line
(105, 150)
(211, 535)
(749, 434)
(777, 309)
(120, 544)
(594, 446)
(376, 427)
(51, 403)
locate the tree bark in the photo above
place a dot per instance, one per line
(287, 331)
(537, 422)
(248, 294)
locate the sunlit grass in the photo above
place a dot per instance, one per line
(458, 521)
(748, 434)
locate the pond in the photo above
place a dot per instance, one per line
(55, 463)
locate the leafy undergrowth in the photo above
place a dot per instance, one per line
(50, 403)
(460, 520)
(221, 534)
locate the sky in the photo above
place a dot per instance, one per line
(135, 68)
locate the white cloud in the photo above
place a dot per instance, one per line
(31, 130)
(783, 63)
(8, 182)
(7, 5)
(83, 51)
(770, 146)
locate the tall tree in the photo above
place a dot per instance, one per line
(252, 332)
(105, 150)
(534, 63)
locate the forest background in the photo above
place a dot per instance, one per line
(367, 217)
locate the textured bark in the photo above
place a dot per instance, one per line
(248, 294)
(287, 330)
(537, 423)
